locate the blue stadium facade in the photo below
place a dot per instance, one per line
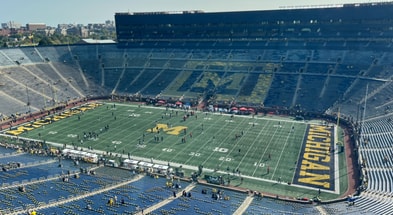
(349, 23)
(311, 61)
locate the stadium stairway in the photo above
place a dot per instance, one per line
(243, 207)
(65, 80)
(321, 210)
(166, 201)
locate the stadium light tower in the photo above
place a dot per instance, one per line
(364, 112)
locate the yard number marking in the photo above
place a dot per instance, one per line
(218, 149)
(167, 150)
(195, 154)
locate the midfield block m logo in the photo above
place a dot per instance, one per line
(168, 130)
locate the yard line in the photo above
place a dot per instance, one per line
(122, 121)
(264, 152)
(284, 148)
(203, 146)
(212, 153)
(235, 145)
(196, 139)
(153, 146)
(133, 136)
(336, 162)
(255, 141)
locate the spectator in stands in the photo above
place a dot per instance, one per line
(22, 189)
(110, 202)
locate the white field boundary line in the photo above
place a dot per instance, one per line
(300, 149)
(336, 163)
(195, 168)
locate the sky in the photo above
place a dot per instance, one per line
(53, 12)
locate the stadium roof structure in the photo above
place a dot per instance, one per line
(94, 41)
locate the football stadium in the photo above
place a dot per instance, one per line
(249, 112)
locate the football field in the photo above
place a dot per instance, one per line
(258, 149)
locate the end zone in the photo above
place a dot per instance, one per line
(316, 163)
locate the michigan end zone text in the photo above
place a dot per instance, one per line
(315, 166)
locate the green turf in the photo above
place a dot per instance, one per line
(213, 143)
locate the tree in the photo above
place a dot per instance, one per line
(45, 41)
